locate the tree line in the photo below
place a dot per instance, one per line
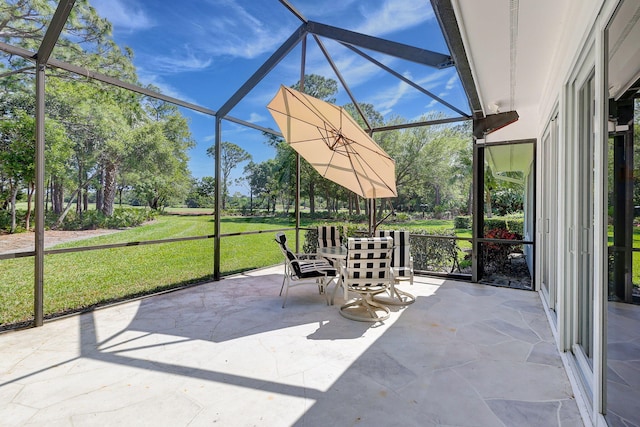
(101, 141)
(106, 145)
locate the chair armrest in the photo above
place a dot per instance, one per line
(316, 264)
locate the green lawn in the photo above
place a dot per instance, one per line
(636, 255)
(84, 279)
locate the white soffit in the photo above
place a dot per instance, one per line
(624, 48)
(524, 128)
(486, 27)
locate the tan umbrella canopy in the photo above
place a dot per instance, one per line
(334, 144)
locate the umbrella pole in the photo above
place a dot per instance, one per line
(372, 216)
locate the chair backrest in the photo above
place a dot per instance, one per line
(401, 256)
(368, 261)
(328, 235)
(289, 256)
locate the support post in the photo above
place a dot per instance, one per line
(302, 71)
(623, 208)
(477, 265)
(38, 293)
(218, 200)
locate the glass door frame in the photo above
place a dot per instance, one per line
(548, 247)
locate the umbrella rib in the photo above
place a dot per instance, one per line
(380, 181)
(360, 172)
(347, 155)
(311, 108)
(322, 136)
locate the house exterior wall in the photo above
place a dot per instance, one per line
(579, 57)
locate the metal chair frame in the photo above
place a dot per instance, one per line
(303, 269)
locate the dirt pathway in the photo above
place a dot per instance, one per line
(26, 241)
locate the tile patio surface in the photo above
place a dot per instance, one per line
(226, 353)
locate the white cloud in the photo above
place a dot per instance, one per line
(393, 15)
(432, 104)
(256, 118)
(151, 78)
(239, 34)
(178, 62)
(451, 83)
(124, 15)
(385, 99)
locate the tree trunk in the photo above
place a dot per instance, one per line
(224, 196)
(153, 203)
(470, 200)
(100, 191)
(47, 195)
(487, 205)
(438, 196)
(13, 188)
(109, 173)
(328, 199)
(57, 196)
(312, 197)
(30, 190)
(79, 198)
(73, 196)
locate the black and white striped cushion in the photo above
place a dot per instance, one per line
(368, 259)
(328, 236)
(401, 257)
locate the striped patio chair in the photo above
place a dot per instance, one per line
(367, 272)
(402, 263)
(301, 269)
(328, 235)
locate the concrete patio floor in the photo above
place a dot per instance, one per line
(226, 353)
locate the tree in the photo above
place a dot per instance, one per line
(17, 146)
(322, 88)
(462, 166)
(257, 176)
(202, 194)
(374, 118)
(231, 156)
(319, 87)
(161, 175)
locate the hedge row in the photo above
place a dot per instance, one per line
(512, 224)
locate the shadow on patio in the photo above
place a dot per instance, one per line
(226, 352)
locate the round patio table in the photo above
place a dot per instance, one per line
(335, 254)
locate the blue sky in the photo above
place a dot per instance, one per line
(202, 51)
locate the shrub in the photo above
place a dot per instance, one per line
(516, 225)
(346, 230)
(434, 253)
(462, 222)
(402, 217)
(497, 254)
(92, 219)
(507, 201)
(21, 215)
(310, 244)
(493, 223)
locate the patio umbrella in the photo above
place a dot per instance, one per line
(334, 144)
